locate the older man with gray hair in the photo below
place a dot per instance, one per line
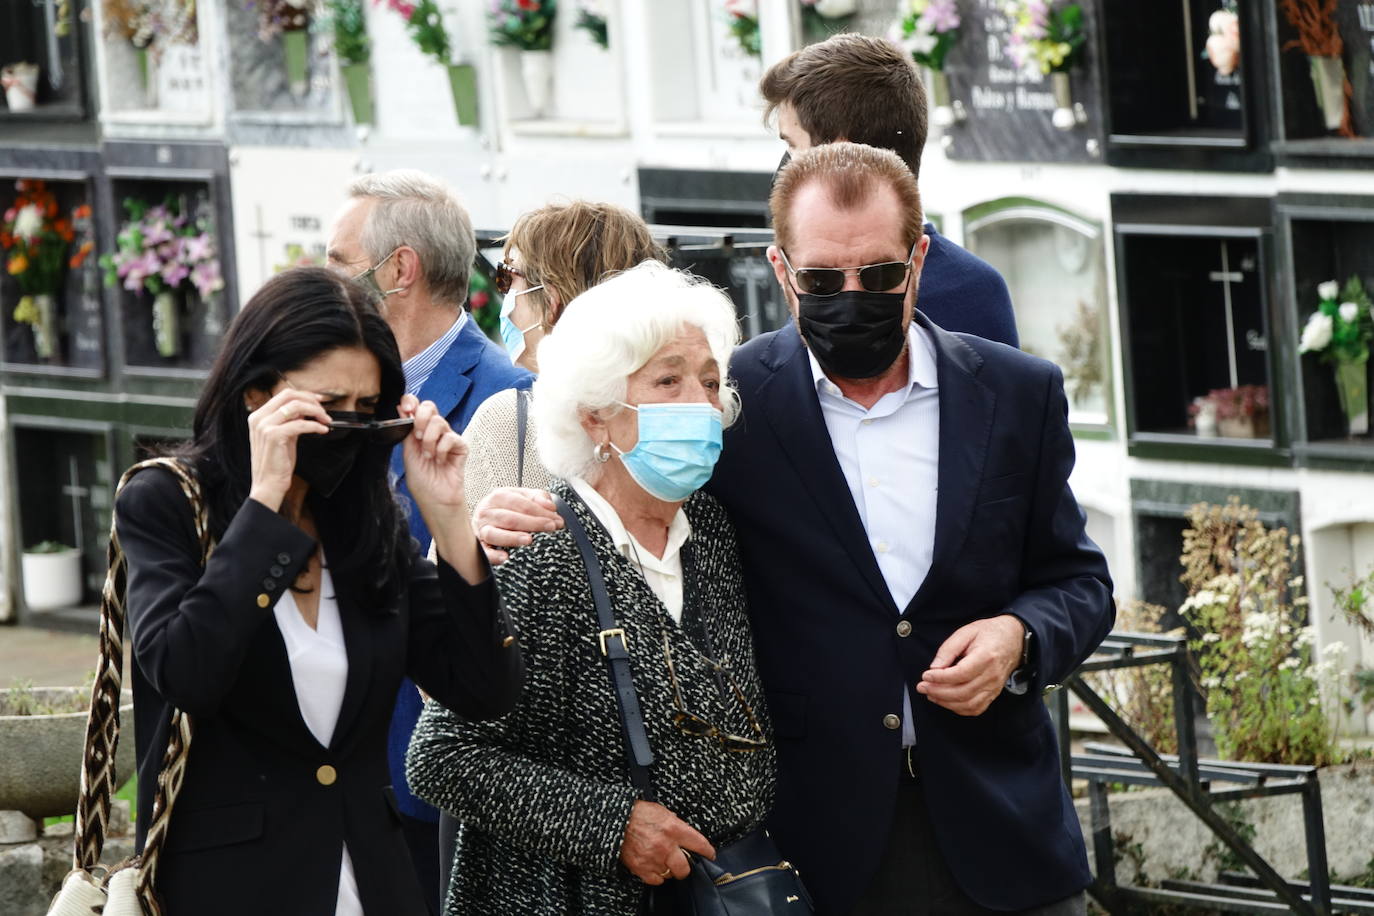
(406, 235)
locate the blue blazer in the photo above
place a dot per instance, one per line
(472, 370)
(960, 291)
(1009, 537)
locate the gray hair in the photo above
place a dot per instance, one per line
(606, 335)
(421, 212)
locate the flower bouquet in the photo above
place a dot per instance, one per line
(823, 18)
(36, 239)
(1236, 413)
(289, 20)
(744, 25)
(1339, 332)
(162, 250)
(927, 29)
(527, 25)
(150, 26)
(1223, 41)
(592, 19)
(426, 27)
(1047, 38)
(1320, 39)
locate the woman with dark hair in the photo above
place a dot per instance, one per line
(287, 647)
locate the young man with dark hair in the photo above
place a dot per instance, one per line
(866, 90)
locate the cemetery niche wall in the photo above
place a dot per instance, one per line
(42, 61)
(1187, 84)
(1193, 283)
(1324, 65)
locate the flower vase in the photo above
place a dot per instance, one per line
(51, 580)
(1352, 383)
(462, 79)
(1328, 79)
(296, 45)
(536, 71)
(358, 79)
(1064, 117)
(20, 82)
(941, 112)
(166, 324)
(45, 326)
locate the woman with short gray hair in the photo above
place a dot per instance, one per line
(631, 401)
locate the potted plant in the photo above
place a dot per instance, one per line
(592, 19)
(743, 17)
(1048, 39)
(354, 50)
(1320, 39)
(163, 250)
(928, 29)
(42, 740)
(37, 238)
(1238, 413)
(527, 26)
(1339, 334)
(426, 27)
(52, 576)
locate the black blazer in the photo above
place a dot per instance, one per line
(1009, 537)
(256, 828)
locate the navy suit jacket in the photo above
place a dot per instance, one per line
(472, 370)
(960, 291)
(1009, 537)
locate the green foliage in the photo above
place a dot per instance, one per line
(1143, 695)
(49, 547)
(1227, 860)
(426, 28)
(595, 26)
(523, 24)
(745, 30)
(1261, 682)
(351, 43)
(485, 304)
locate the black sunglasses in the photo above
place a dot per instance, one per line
(344, 423)
(505, 276)
(828, 281)
(689, 723)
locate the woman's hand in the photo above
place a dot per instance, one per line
(657, 842)
(435, 457)
(272, 432)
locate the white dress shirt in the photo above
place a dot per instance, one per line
(319, 670)
(419, 367)
(664, 574)
(890, 456)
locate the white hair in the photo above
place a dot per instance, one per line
(606, 335)
(419, 211)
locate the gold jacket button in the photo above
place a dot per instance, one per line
(892, 721)
(326, 775)
(904, 628)
(264, 600)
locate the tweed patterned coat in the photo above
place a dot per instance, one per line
(544, 792)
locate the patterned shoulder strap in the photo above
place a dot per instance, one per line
(98, 778)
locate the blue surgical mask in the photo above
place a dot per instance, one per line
(677, 449)
(512, 336)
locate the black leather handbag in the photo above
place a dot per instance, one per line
(748, 877)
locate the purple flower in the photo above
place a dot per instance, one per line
(174, 272)
(139, 269)
(155, 232)
(197, 248)
(206, 277)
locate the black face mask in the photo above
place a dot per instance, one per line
(854, 334)
(323, 461)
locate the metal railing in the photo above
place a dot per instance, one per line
(1201, 785)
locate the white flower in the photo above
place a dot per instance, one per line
(921, 43)
(28, 222)
(1329, 290)
(1334, 651)
(1211, 683)
(1349, 311)
(833, 9)
(1306, 636)
(1317, 334)
(1211, 637)
(1289, 664)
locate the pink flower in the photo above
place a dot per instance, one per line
(198, 248)
(206, 277)
(941, 16)
(174, 272)
(139, 269)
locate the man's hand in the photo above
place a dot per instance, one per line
(973, 665)
(509, 516)
(656, 844)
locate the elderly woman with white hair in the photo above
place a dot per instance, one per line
(629, 408)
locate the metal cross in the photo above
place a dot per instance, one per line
(76, 492)
(1226, 276)
(262, 235)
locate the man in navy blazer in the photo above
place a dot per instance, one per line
(917, 567)
(406, 235)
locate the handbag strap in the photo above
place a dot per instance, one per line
(615, 650)
(522, 419)
(98, 777)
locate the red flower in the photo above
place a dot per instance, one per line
(527, 4)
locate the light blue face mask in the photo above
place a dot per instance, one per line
(512, 336)
(677, 449)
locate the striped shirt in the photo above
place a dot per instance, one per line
(419, 367)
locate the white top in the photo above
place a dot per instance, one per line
(319, 670)
(664, 574)
(890, 456)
